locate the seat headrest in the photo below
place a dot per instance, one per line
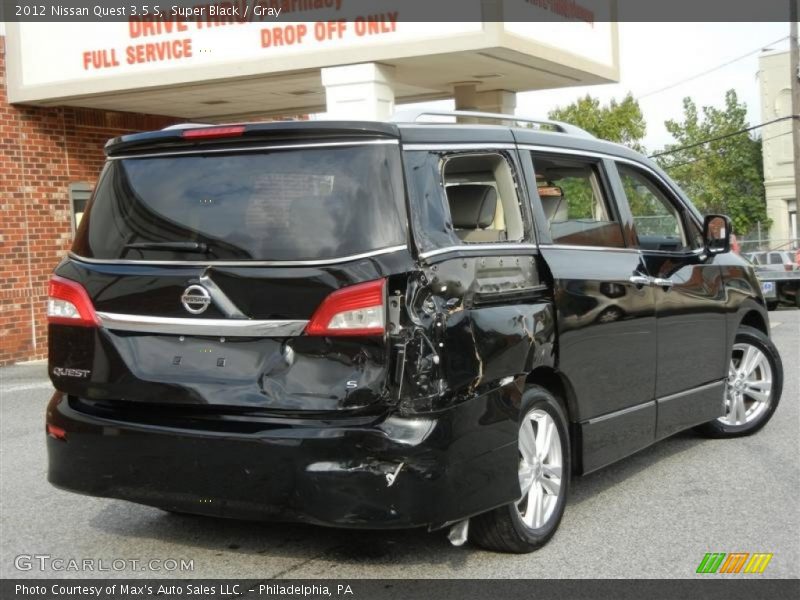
(472, 206)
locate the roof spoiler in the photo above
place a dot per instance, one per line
(172, 138)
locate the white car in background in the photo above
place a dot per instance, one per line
(779, 274)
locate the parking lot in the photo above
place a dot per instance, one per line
(652, 515)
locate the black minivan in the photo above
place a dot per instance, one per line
(391, 325)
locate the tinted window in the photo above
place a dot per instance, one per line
(575, 203)
(300, 204)
(658, 221)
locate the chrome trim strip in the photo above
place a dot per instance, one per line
(367, 142)
(210, 327)
(576, 152)
(619, 413)
(239, 263)
(591, 248)
(693, 390)
(477, 248)
(648, 404)
(455, 146)
(592, 153)
(697, 251)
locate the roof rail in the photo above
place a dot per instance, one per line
(185, 126)
(413, 116)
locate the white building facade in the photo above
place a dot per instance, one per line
(776, 102)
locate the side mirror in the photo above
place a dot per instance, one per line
(717, 234)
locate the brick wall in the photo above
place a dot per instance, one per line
(43, 151)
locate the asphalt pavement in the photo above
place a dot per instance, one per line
(654, 514)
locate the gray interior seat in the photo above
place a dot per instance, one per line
(472, 208)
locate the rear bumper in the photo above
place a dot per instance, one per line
(394, 473)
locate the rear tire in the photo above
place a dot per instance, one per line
(772, 305)
(753, 389)
(544, 469)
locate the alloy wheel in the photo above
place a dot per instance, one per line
(748, 392)
(540, 468)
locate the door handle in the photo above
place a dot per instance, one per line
(640, 281)
(664, 283)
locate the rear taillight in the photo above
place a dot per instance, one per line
(69, 304)
(205, 133)
(354, 310)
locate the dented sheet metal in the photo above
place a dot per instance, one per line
(470, 323)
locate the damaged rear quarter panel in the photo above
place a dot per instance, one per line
(475, 324)
(474, 328)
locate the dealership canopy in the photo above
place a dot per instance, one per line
(219, 66)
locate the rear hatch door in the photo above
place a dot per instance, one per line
(206, 261)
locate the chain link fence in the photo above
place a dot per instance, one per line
(760, 245)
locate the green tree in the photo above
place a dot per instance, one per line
(620, 122)
(722, 175)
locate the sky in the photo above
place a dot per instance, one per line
(656, 55)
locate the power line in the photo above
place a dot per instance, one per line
(706, 157)
(722, 137)
(708, 71)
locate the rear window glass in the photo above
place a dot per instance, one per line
(304, 204)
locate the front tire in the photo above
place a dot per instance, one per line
(753, 389)
(544, 470)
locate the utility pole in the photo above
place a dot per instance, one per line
(794, 67)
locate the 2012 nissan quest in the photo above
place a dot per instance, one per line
(390, 325)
